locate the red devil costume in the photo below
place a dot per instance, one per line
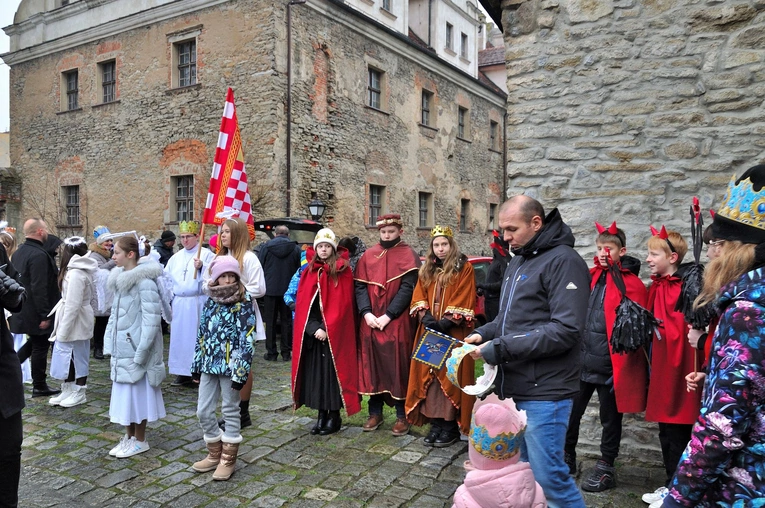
(320, 299)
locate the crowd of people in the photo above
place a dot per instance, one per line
(350, 319)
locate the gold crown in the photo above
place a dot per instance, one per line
(743, 205)
(441, 231)
(190, 227)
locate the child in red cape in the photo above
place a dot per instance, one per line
(669, 402)
(325, 371)
(620, 379)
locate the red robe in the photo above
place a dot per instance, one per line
(631, 369)
(671, 358)
(338, 310)
(457, 303)
(384, 355)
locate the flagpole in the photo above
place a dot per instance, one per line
(199, 246)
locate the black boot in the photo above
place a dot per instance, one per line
(98, 353)
(332, 424)
(320, 422)
(244, 414)
(450, 434)
(435, 431)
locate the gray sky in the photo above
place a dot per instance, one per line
(7, 10)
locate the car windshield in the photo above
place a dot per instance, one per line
(302, 236)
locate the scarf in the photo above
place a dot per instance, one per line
(225, 294)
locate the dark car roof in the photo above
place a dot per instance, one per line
(305, 227)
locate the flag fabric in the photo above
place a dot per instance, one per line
(228, 193)
(434, 348)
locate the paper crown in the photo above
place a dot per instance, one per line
(190, 227)
(496, 432)
(100, 230)
(390, 219)
(441, 231)
(742, 203)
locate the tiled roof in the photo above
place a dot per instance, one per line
(418, 41)
(491, 56)
(483, 78)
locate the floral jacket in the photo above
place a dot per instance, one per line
(724, 463)
(224, 340)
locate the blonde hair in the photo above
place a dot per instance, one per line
(8, 240)
(678, 242)
(735, 259)
(429, 270)
(239, 240)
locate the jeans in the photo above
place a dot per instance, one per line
(275, 307)
(36, 349)
(610, 420)
(211, 388)
(542, 447)
(10, 459)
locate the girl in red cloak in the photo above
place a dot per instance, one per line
(325, 373)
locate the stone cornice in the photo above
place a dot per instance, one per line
(403, 46)
(142, 18)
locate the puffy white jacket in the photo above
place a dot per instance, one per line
(134, 334)
(74, 317)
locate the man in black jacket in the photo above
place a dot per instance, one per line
(38, 274)
(280, 258)
(535, 338)
(12, 393)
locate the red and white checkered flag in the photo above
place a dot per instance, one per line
(228, 193)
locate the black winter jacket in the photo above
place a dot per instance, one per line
(543, 307)
(12, 393)
(280, 259)
(165, 252)
(38, 274)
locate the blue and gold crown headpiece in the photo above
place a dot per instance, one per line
(190, 227)
(441, 231)
(743, 204)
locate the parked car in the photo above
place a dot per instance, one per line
(302, 231)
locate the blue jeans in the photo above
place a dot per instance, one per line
(542, 447)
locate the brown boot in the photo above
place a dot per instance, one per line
(227, 461)
(211, 461)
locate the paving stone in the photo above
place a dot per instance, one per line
(251, 489)
(171, 493)
(321, 494)
(268, 502)
(442, 490)
(407, 457)
(169, 469)
(399, 492)
(116, 477)
(192, 499)
(385, 501)
(178, 477)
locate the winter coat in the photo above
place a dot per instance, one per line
(74, 317)
(134, 334)
(224, 340)
(291, 293)
(543, 307)
(724, 462)
(512, 486)
(12, 392)
(280, 257)
(38, 274)
(165, 253)
(105, 263)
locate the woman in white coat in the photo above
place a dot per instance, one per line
(134, 339)
(73, 327)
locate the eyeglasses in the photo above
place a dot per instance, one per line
(716, 243)
(187, 237)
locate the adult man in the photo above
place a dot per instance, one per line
(164, 246)
(385, 278)
(280, 258)
(12, 393)
(536, 337)
(187, 302)
(38, 274)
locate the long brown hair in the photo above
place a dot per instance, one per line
(129, 244)
(67, 254)
(735, 260)
(239, 240)
(331, 264)
(429, 270)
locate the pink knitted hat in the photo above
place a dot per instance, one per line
(496, 433)
(224, 264)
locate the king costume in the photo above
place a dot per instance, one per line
(188, 302)
(385, 279)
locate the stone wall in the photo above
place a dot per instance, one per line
(625, 109)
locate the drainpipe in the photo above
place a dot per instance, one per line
(430, 20)
(289, 104)
(504, 155)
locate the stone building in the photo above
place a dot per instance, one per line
(10, 186)
(371, 106)
(625, 109)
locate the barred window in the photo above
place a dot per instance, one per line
(376, 197)
(425, 199)
(427, 99)
(184, 198)
(464, 208)
(374, 89)
(108, 81)
(72, 90)
(72, 204)
(187, 63)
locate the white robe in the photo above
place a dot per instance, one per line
(187, 307)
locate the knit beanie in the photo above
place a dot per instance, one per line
(99, 233)
(224, 264)
(167, 236)
(495, 433)
(325, 235)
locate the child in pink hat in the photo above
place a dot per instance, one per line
(496, 477)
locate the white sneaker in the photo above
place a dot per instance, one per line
(657, 495)
(66, 390)
(76, 397)
(123, 441)
(133, 447)
(657, 504)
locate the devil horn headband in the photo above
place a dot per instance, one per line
(664, 236)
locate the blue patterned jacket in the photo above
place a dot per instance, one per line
(724, 463)
(224, 340)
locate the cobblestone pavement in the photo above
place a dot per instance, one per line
(65, 459)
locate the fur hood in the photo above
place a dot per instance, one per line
(121, 280)
(94, 247)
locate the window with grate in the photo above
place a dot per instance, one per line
(108, 81)
(72, 204)
(493, 135)
(184, 198)
(464, 207)
(187, 63)
(427, 100)
(374, 89)
(376, 195)
(461, 123)
(72, 90)
(424, 202)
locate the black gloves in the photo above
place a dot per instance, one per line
(428, 321)
(292, 306)
(11, 291)
(237, 386)
(446, 324)
(196, 376)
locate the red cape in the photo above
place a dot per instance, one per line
(631, 369)
(338, 308)
(384, 355)
(671, 358)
